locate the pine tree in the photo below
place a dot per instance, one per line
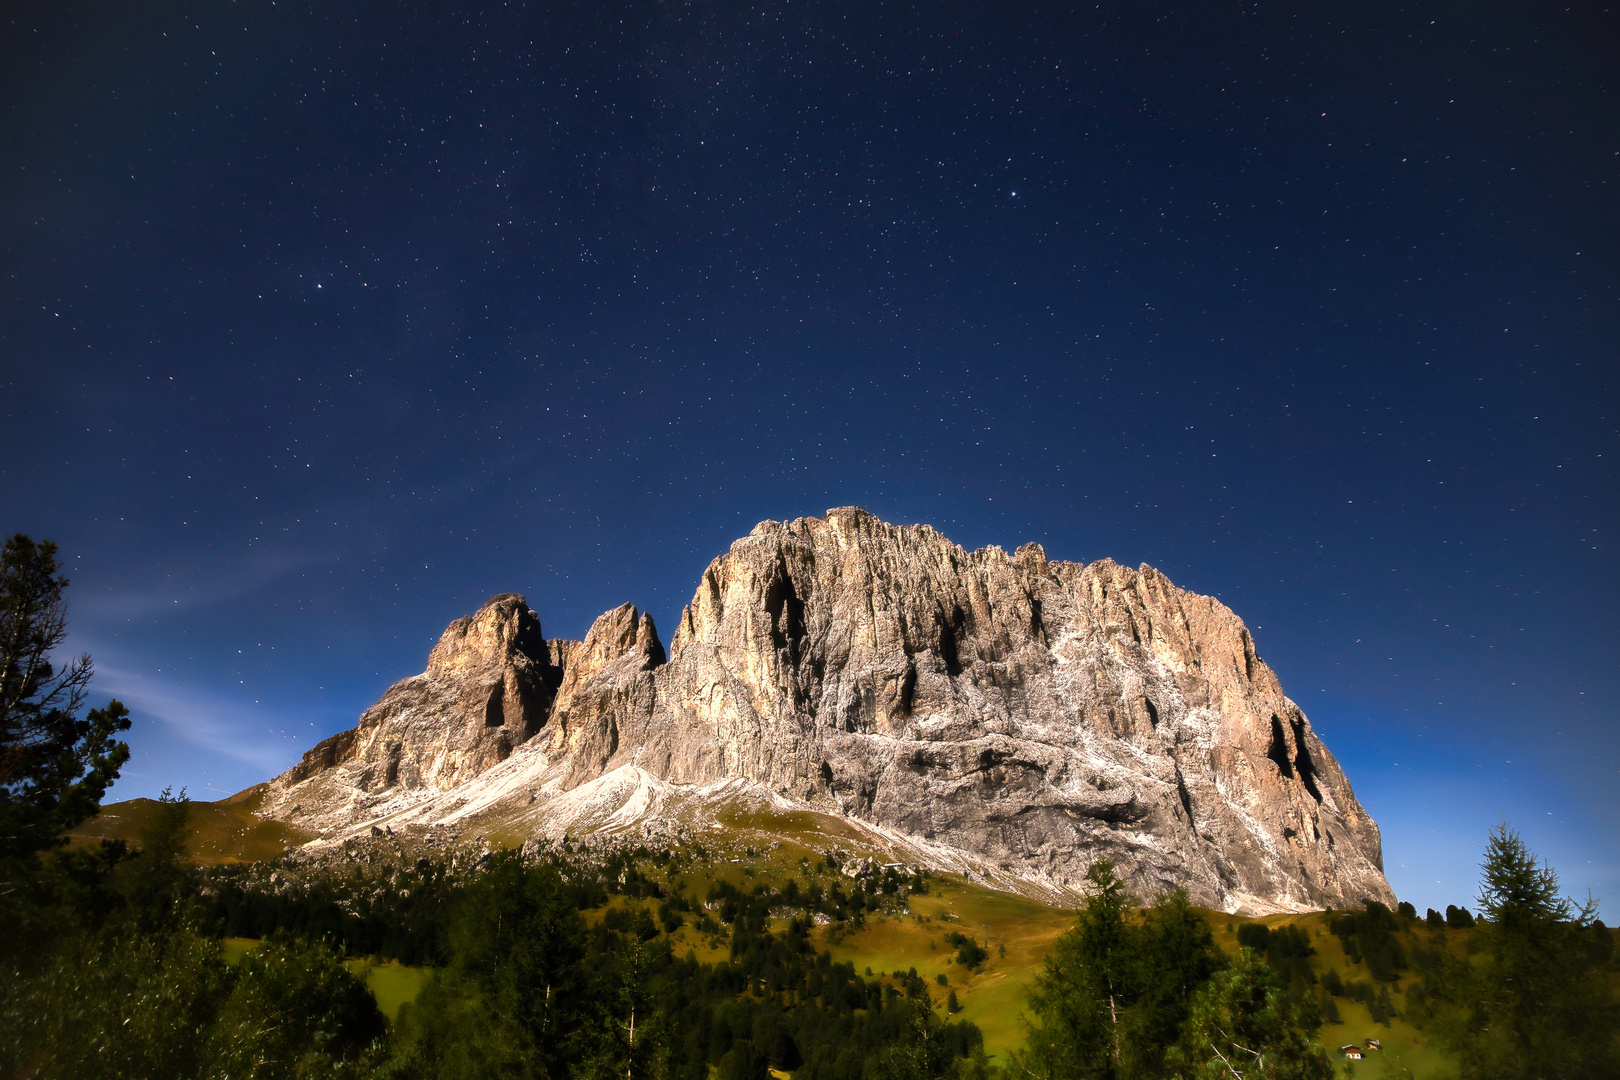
(515, 999)
(155, 881)
(1244, 1025)
(1176, 955)
(54, 766)
(1529, 1004)
(1115, 990)
(1076, 998)
(924, 1055)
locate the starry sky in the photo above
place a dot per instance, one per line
(321, 323)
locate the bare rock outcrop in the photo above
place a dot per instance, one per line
(1038, 715)
(488, 688)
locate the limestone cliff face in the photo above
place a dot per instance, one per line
(489, 687)
(1040, 715)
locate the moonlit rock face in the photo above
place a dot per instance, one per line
(488, 688)
(1033, 715)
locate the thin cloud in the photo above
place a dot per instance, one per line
(246, 731)
(199, 590)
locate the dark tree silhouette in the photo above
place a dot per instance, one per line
(54, 766)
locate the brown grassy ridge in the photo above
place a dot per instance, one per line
(221, 832)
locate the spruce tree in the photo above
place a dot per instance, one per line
(515, 999)
(1079, 995)
(1116, 989)
(54, 765)
(156, 882)
(1175, 955)
(925, 1054)
(1529, 1003)
(1245, 1025)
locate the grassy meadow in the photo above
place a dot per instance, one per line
(1018, 932)
(226, 831)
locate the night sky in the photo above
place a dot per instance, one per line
(319, 324)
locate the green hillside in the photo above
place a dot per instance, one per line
(1405, 1047)
(221, 832)
(929, 924)
(1017, 934)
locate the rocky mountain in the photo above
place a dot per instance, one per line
(976, 710)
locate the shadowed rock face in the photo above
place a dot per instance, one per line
(1040, 715)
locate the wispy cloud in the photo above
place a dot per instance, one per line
(246, 731)
(217, 585)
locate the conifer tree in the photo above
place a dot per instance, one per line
(515, 999)
(1078, 997)
(1116, 989)
(154, 882)
(1529, 1003)
(54, 765)
(1176, 955)
(1243, 1025)
(924, 1055)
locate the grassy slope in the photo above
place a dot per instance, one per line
(224, 831)
(771, 846)
(1405, 1047)
(993, 996)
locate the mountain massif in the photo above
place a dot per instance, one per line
(995, 713)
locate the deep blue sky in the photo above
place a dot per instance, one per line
(321, 323)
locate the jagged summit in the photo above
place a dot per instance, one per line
(1026, 716)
